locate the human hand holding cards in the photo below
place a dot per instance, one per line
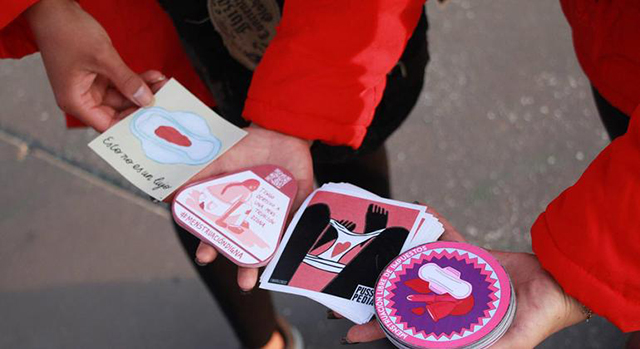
(361, 255)
(176, 141)
(338, 242)
(159, 148)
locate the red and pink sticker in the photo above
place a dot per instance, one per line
(444, 295)
(242, 214)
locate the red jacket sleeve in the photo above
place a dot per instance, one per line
(140, 30)
(324, 72)
(589, 237)
(15, 36)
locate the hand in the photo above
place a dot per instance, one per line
(88, 77)
(542, 307)
(261, 147)
(371, 331)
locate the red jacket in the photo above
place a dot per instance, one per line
(588, 238)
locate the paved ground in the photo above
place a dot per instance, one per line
(505, 123)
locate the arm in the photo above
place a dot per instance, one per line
(589, 237)
(88, 77)
(321, 78)
(325, 71)
(65, 31)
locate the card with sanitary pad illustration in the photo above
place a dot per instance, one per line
(241, 214)
(159, 148)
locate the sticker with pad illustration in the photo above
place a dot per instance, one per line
(175, 137)
(444, 295)
(242, 214)
(159, 148)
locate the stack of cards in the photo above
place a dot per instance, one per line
(338, 243)
(444, 295)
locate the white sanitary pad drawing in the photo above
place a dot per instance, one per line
(445, 280)
(175, 137)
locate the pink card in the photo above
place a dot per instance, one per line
(241, 214)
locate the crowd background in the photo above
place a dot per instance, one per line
(505, 122)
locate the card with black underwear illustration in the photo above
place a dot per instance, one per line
(338, 243)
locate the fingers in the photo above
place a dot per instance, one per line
(99, 118)
(123, 114)
(152, 77)
(332, 315)
(155, 79)
(116, 100)
(247, 278)
(368, 332)
(124, 107)
(450, 233)
(130, 84)
(205, 254)
(156, 86)
(305, 187)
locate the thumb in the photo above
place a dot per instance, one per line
(126, 81)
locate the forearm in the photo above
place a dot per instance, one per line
(588, 237)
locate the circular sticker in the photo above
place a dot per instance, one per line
(442, 294)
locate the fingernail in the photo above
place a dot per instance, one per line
(199, 263)
(142, 97)
(345, 341)
(160, 78)
(331, 315)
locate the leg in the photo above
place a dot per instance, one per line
(367, 265)
(251, 315)
(312, 223)
(615, 121)
(221, 221)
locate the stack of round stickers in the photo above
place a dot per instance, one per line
(444, 295)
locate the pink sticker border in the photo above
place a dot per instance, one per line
(428, 252)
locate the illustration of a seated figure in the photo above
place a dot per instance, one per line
(229, 202)
(316, 229)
